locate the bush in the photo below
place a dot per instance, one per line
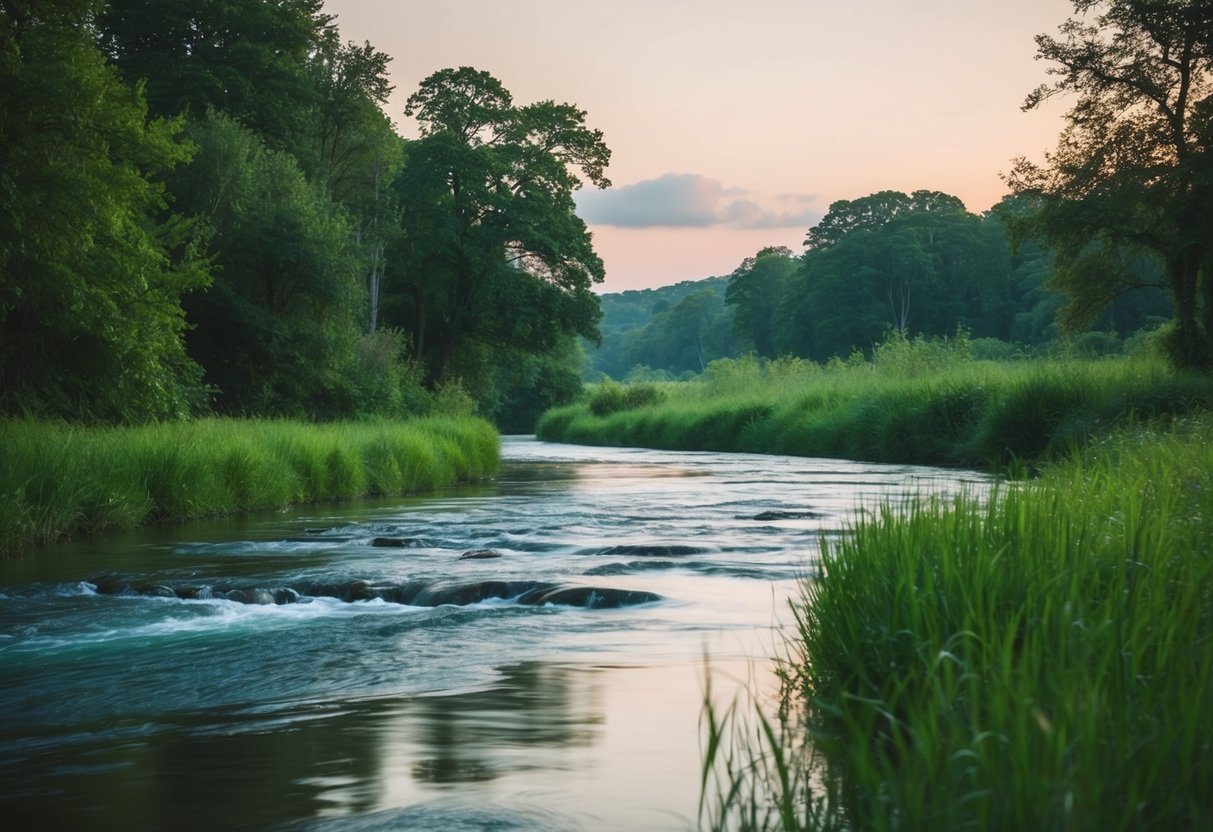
(612, 398)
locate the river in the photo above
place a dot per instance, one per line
(284, 672)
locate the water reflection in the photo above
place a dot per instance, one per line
(534, 705)
(251, 768)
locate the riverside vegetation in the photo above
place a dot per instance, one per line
(1042, 659)
(917, 401)
(60, 480)
(1037, 657)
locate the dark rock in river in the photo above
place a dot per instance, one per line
(789, 515)
(648, 550)
(480, 554)
(344, 591)
(392, 542)
(414, 593)
(592, 598)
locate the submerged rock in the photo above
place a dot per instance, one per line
(789, 515)
(592, 598)
(413, 593)
(650, 550)
(480, 554)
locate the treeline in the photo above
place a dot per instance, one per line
(913, 264)
(204, 209)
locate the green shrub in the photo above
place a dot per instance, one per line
(610, 397)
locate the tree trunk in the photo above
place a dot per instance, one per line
(1190, 345)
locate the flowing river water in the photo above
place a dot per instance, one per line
(343, 668)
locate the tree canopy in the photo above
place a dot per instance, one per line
(491, 249)
(1132, 173)
(93, 265)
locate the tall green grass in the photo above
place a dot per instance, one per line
(970, 413)
(1042, 659)
(58, 480)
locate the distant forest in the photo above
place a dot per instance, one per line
(917, 263)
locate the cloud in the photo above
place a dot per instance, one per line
(745, 213)
(687, 200)
(675, 200)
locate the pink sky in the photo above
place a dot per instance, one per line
(734, 125)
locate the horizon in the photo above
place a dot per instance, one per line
(931, 101)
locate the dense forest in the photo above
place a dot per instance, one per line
(204, 209)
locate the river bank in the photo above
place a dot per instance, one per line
(1042, 659)
(59, 480)
(902, 408)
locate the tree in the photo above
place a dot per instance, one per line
(491, 249)
(246, 58)
(756, 289)
(911, 262)
(1132, 172)
(276, 332)
(92, 265)
(874, 211)
(356, 151)
(684, 338)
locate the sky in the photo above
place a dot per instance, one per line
(735, 125)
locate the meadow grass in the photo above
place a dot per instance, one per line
(59, 480)
(962, 413)
(1038, 659)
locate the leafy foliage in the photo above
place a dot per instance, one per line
(918, 264)
(93, 265)
(491, 250)
(611, 398)
(246, 59)
(276, 331)
(1132, 173)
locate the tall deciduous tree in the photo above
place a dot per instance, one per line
(356, 152)
(916, 263)
(92, 266)
(492, 250)
(1133, 171)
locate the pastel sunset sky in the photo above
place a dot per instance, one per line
(734, 125)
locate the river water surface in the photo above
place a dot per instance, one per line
(283, 672)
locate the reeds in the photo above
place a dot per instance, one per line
(1042, 659)
(968, 413)
(59, 480)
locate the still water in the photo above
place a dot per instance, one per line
(285, 672)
